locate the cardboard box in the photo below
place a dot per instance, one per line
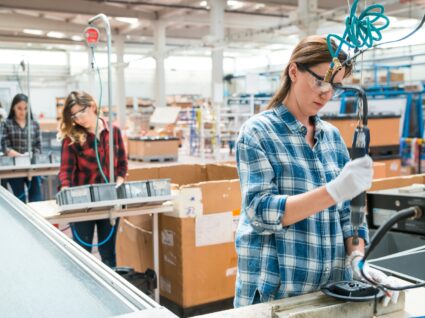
(397, 182)
(198, 260)
(134, 242)
(392, 166)
(394, 77)
(153, 148)
(49, 124)
(389, 124)
(187, 202)
(379, 170)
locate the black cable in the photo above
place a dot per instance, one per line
(412, 212)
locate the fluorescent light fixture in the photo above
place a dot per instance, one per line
(77, 38)
(259, 6)
(203, 3)
(127, 20)
(54, 34)
(234, 4)
(33, 31)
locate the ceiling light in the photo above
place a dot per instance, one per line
(33, 31)
(77, 38)
(127, 20)
(234, 4)
(259, 6)
(203, 3)
(54, 34)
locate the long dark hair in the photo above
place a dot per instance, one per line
(16, 100)
(311, 51)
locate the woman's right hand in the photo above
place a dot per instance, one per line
(354, 178)
(13, 153)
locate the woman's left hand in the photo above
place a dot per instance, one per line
(120, 181)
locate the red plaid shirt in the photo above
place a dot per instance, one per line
(79, 165)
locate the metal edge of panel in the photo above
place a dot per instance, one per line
(401, 275)
(129, 294)
(160, 312)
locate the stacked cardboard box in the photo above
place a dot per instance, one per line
(377, 124)
(384, 148)
(397, 182)
(197, 254)
(393, 77)
(148, 148)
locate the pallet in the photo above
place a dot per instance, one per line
(154, 159)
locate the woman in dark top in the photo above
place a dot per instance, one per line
(15, 143)
(79, 165)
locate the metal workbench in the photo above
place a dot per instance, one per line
(45, 274)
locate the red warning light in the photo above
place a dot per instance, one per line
(91, 34)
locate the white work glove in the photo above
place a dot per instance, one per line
(375, 275)
(354, 178)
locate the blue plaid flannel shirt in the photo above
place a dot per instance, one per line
(274, 162)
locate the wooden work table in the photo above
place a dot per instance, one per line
(318, 305)
(50, 169)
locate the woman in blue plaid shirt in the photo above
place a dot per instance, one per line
(294, 233)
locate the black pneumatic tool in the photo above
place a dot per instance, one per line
(360, 148)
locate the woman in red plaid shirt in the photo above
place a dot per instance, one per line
(79, 165)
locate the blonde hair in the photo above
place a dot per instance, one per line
(311, 51)
(67, 127)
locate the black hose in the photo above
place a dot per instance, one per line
(412, 212)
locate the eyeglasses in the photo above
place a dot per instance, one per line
(319, 83)
(79, 114)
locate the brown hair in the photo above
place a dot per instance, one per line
(67, 127)
(311, 51)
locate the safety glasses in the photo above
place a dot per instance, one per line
(79, 114)
(319, 84)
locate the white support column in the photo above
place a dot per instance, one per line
(90, 75)
(159, 44)
(217, 90)
(120, 100)
(307, 9)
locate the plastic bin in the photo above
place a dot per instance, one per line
(59, 199)
(103, 192)
(130, 190)
(159, 187)
(41, 158)
(6, 161)
(75, 195)
(55, 157)
(22, 161)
